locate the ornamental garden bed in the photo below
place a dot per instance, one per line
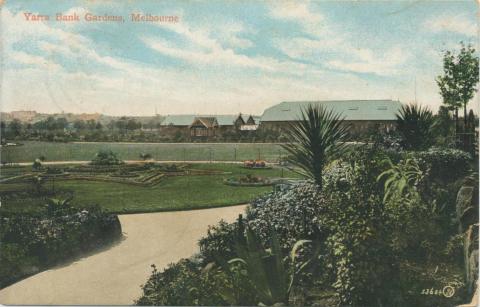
(256, 164)
(249, 181)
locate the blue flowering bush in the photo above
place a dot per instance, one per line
(292, 214)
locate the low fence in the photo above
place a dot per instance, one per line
(210, 152)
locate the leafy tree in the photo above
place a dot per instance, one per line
(444, 126)
(315, 139)
(121, 124)
(443, 123)
(79, 124)
(472, 121)
(415, 125)
(470, 129)
(458, 83)
(15, 127)
(132, 124)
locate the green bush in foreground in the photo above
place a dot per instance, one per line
(373, 250)
(32, 242)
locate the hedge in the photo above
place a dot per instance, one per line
(32, 242)
(446, 165)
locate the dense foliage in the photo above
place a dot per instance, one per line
(31, 242)
(445, 165)
(383, 230)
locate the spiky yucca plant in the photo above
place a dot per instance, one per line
(266, 274)
(415, 125)
(314, 140)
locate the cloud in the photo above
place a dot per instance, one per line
(459, 24)
(220, 70)
(369, 62)
(329, 47)
(204, 50)
(299, 12)
(213, 56)
(230, 33)
(35, 60)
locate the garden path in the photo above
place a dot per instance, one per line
(113, 276)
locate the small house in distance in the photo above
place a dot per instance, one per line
(250, 124)
(359, 115)
(203, 127)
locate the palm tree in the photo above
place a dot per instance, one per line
(415, 124)
(314, 140)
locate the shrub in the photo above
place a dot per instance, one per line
(220, 240)
(291, 214)
(444, 165)
(359, 259)
(32, 242)
(181, 284)
(106, 157)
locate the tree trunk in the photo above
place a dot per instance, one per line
(456, 126)
(466, 137)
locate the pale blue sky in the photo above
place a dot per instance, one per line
(226, 56)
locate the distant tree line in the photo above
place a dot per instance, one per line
(123, 129)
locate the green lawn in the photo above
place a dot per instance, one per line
(166, 152)
(173, 193)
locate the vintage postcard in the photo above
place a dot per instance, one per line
(239, 153)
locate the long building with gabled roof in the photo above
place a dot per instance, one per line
(360, 115)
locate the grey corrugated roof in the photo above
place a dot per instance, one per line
(179, 120)
(349, 109)
(226, 120)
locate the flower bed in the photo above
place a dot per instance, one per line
(257, 164)
(248, 181)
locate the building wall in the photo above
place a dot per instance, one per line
(200, 132)
(355, 126)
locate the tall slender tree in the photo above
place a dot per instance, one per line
(459, 80)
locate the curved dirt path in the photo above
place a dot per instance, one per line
(114, 276)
